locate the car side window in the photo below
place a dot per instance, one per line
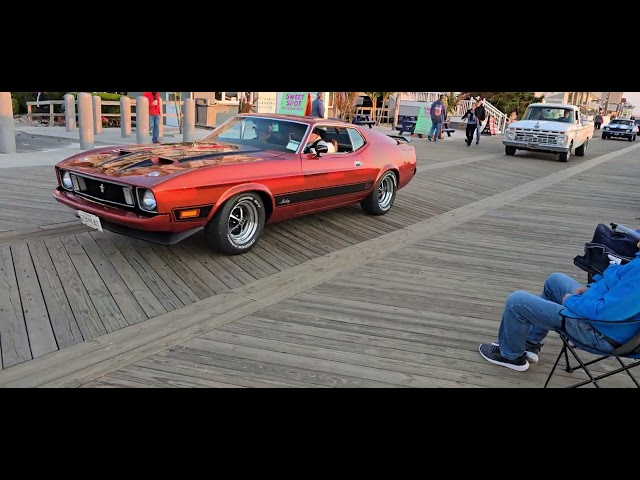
(357, 142)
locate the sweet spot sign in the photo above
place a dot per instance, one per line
(293, 103)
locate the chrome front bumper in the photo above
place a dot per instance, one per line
(543, 147)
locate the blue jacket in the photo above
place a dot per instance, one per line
(613, 296)
(443, 111)
(317, 108)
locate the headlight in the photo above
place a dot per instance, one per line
(511, 134)
(147, 200)
(606, 128)
(66, 180)
(561, 139)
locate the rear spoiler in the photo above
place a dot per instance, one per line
(400, 139)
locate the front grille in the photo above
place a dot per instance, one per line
(103, 192)
(536, 136)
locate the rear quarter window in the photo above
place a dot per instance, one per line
(357, 142)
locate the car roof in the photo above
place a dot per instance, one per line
(298, 118)
(554, 105)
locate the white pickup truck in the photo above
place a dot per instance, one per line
(550, 127)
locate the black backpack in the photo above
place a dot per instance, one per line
(606, 241)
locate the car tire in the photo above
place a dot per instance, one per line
(604, 137)
(582, 149)
(565, 156)
(509, 150)
(381, 198)
(237, 224)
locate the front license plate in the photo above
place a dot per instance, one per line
(616, 134)
(90, 220)
(531, 145)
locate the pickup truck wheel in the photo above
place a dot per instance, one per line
(582, 149)
(509, 150)
(631, 139)
(604, 137)
(564, 156)
(237, 225)
(381, 198)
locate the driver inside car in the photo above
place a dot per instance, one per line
(316, 138)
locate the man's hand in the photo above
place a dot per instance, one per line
(580, 290)
(566, 295)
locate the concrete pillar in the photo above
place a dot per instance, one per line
(125, 116)
(85, 118)
(97, 114)
(142, 119)
(161, 124)
(188, 120)
(70, 112)
(7, 127)
(325, 100)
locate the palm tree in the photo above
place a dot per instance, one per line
(385, 98)
(345, 102)
(374, 103)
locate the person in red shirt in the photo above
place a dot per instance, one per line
(154, 114)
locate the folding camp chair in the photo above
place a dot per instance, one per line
(628, 351)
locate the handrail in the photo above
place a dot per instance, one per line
(53, 115)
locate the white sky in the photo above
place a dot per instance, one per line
(634, 99)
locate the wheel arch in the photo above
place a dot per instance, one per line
(385, 169)
(264, 192)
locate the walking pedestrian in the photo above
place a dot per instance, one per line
(154, 114)
(471, 119)
(481, 113)
(597, 121)
(438, 117)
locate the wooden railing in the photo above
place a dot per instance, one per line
(382, 113)
(499, 118)
(51, 115)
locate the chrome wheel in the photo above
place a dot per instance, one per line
(243, 221)
(386, 191)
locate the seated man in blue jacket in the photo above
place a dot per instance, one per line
(527, 318)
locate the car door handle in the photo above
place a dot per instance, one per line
(358, 164)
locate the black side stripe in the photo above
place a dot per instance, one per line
(308, 195)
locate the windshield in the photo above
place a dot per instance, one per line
(619, 121)
(260, 132)
(554, 114)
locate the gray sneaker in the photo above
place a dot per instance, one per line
(531, 351)
(491, 353)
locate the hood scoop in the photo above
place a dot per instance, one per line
(150, 162)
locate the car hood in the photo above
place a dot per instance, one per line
(540, 125)
(619, 126)
(160, 161)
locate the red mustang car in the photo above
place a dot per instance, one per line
(252, 170)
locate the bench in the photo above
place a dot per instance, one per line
(363, 120)
(406, 126)
(410, 126)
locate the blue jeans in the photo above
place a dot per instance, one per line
(528, 317)
(478, 130)
(154, 125)
(435, 129)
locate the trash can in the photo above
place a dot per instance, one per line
(205, 113)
